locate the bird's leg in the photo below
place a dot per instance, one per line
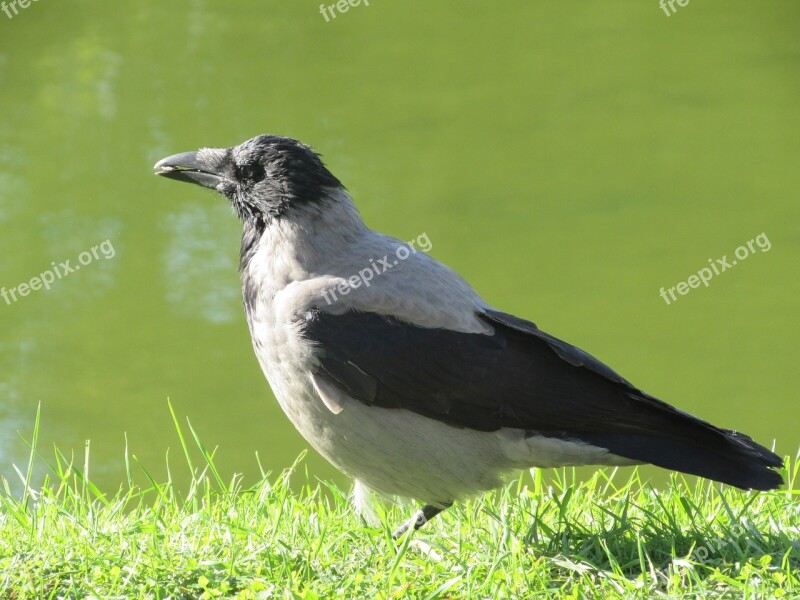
(422, 516)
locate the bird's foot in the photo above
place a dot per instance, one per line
(422, 516)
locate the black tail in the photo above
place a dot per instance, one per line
(552, 388)
(719, 454)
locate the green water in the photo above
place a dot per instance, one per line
(569, 158)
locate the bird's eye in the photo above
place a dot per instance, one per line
(253, 172)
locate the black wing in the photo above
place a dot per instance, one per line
(523, 378)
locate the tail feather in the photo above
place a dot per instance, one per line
(719, 454)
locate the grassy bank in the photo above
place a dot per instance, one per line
(611, 536)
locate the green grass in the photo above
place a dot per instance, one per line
(611, 536)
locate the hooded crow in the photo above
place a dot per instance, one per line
(408, 381)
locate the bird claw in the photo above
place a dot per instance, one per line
(422, 516)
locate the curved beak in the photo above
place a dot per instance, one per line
(186, 167)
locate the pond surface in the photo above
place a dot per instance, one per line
(569, 159)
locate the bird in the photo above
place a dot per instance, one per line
(402, 376)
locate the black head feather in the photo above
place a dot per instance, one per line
(264, 177)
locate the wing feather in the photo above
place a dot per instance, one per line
(521, 377)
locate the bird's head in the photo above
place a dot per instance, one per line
(264, 178)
